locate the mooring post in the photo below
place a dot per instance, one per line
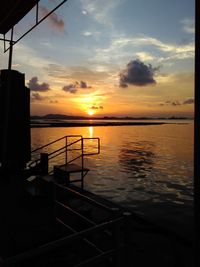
(44, 159)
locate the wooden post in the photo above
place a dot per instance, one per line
(44, 163)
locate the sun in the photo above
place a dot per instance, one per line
(90, 112)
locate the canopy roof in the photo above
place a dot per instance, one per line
(12, 11)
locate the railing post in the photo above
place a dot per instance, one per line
(82, 163)
(44, 159)
(66, 159)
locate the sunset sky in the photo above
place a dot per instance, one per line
(109, 58)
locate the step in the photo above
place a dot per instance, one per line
(70, 168)
(62, 173)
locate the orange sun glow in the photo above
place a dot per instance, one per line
(90, 112)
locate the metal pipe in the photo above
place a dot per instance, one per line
(38, 23)
(55, 142)
(51, 246)
(11, 50)
(82, 164)
(36, 19)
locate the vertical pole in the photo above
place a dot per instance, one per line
(4, 43)
(66, 159)
(37, 6)
(196, 139)
(10, 51)
(82, 163)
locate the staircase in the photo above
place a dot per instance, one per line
(66, 147)
(82, 229)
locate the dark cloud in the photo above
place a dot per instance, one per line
(54, 20)
(188, 101)
(96, 107)
(35, 86)
(137, 73)
(70, 88)
(53, 101)
(37, 97)
(175, 103)
(83, 84)
(73, 87)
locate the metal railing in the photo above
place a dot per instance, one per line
(41, 164)
(74, 237)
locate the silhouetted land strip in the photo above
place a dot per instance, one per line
(83, 124)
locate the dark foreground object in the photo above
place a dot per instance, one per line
(44, 223)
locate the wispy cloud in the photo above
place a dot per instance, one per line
(189, 101)
(145, 56)
(122, 47)
(87, 33)
(175, 103)
(100, 11)
(188, 25)
(56, 22)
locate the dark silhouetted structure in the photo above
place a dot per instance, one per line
(14, 121)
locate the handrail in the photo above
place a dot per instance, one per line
(55, 142)
(73, 159)
(42, 162)
(87, 199)
(53, 245)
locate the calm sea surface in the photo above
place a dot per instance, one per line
(148, 169)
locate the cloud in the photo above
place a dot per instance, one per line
(122, 47)
(37, 97)
(177, 102)
(172, 103)
(83, 84)
(87, 33)
(188, 25)
(35, 86)
(144, 56)
(188, 101)
(100, 11)
(53, 101)
(137, 73)
(73, 87)
(75, 73)
(54, 20)
(96, 107)
(70, 88)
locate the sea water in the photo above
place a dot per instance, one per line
(147, 169)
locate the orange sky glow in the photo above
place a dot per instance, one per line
(109, 58)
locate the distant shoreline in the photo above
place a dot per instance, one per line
(86, 124)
